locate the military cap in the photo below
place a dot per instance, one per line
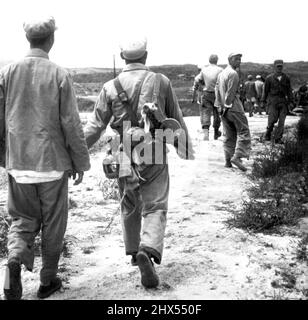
(278, 63)
(133, 49)
(39, 28)
(258, 77)
(234, 54)
(250, 77)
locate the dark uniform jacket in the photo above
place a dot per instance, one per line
(276, 91)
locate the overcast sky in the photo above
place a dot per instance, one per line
(178, 31)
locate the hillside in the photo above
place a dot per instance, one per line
(89, 81)
(298, 72)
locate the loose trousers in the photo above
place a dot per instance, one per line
(276, 112)
(207, 109)
(150, 202)
(236, 140)
(34, 208)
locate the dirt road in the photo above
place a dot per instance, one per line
(203, 258)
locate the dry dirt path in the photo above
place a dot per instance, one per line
(203, 258)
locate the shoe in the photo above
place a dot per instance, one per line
(238, 163)
(45, 291)
(217, 134)
(149, 278)
(205, 134)
(228, 164)
(278, 141)
(13, 289)
(133, 260)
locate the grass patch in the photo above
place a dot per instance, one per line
(280, 187)
(278, 158)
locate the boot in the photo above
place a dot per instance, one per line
(238, 162)
(206, 134)
(217, 134)
(228, 163)
(149, 278)
(267, 136)
(45, 291)
(13, 286)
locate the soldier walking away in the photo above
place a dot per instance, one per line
(237, 141)
(208, 77)
(278, 94)
(198, 89)
(44, 146)
(250, 94)
(198, 92)
(259, 88)
(144, 203)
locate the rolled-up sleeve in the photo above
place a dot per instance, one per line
(71, 126)
(99, 119)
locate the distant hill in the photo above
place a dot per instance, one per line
(89, 81)
(298, 72)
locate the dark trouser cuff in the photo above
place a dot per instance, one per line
(205, 126)
(131, 253)
(152, 253)
(19, 260)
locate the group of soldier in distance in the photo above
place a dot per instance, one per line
(272, 96)
(43, 144)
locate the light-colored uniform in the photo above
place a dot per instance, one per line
(259, 84)
(209, 76)
(150, 200)
(250, 95)
(40, 124)
(237, 139)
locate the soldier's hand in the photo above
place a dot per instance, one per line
(79, 178)
(72, 174)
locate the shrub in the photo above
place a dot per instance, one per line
(280, 187)
(273, 202)
(259, 215)
(275, 159)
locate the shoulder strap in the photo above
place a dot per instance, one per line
(156, 88)
(131, 106)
